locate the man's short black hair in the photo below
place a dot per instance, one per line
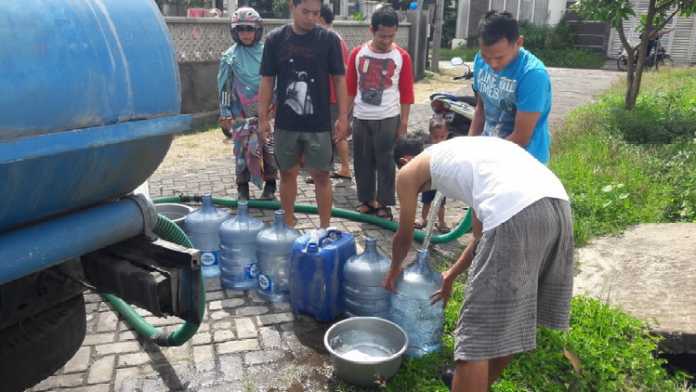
(410, 145)
(327, 13)
(496, 25)
(384, 16)
(298, 2)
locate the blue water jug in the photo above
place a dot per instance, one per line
(273, 251)
(411, 308)
(363, 276)
(316, 273)
(238, 268)
(202, 227)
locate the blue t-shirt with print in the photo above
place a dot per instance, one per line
(523, 85)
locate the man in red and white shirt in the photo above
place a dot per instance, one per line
(380, 84)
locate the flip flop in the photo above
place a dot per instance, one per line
(338, 176)
(418, 225)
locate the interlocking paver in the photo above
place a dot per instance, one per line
(238, 346)
(113, 348)
(80, 361)
(134, 359)
(101, 370)
(245, 328)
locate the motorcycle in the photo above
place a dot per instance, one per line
(457, 110)
(658, 57)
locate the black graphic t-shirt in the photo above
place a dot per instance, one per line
(301, 65)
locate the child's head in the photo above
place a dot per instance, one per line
(438, 129)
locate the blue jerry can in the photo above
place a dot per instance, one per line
(316, 273)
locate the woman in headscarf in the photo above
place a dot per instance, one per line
(238, 86)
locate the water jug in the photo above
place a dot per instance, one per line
(316, 273)
(273, 251)
(363, 276)
(202, 227)
(411, 308)
(238, 268)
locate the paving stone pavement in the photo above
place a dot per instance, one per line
(244, 343)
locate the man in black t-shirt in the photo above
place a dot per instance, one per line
(298, 59)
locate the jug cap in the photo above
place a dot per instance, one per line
(312, 247)
(279, 218)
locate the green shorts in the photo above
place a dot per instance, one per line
(315, 147)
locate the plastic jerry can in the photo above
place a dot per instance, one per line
(316, 273)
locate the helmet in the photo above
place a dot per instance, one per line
(246, 16)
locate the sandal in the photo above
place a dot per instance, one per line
(442, 228)
(365, 208)
(419, 225)
(336, 175)
(384, 212)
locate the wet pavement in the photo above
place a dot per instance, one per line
(244, 343)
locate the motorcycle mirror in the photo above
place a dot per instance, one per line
(456, 61)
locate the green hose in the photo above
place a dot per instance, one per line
(169, 231)
(462, 228)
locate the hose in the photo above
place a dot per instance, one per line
(462, 227)
(169, 231)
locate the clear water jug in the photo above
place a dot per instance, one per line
(411, 308)
(316, 273)
(238, 234)
(363, 275)
(273, 251)
(203, 227)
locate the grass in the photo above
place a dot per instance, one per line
(613, 182)
(565, 58)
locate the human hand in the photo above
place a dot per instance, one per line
(264, 129)
(226, 122)
(341, 127)
(445, 291)
(390, 280)
(403, 129)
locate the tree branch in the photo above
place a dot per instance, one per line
(663, 24)
(622, 37)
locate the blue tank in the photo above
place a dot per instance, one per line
(94, 102)
(411, 308)
(238, 249)
(316, 273)
(273, 251)
(363, 276)
(203, 228)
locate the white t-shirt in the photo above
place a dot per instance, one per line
(380, 82)
(495, 177)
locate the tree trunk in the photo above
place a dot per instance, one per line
(437, 35)
(634, 80)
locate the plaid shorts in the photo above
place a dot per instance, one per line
(521, 277)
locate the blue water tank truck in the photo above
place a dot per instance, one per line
(89, 103)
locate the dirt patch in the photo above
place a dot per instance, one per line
(441, 82)
(196, 150)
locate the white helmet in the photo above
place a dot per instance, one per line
(246, 16)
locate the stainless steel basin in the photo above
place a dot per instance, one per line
(365, 350)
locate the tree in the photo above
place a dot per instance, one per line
(617, 12)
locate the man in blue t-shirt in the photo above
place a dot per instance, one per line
(512, 87)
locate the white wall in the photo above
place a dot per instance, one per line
(556, 10)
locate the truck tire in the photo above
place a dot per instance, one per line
(36, 347)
